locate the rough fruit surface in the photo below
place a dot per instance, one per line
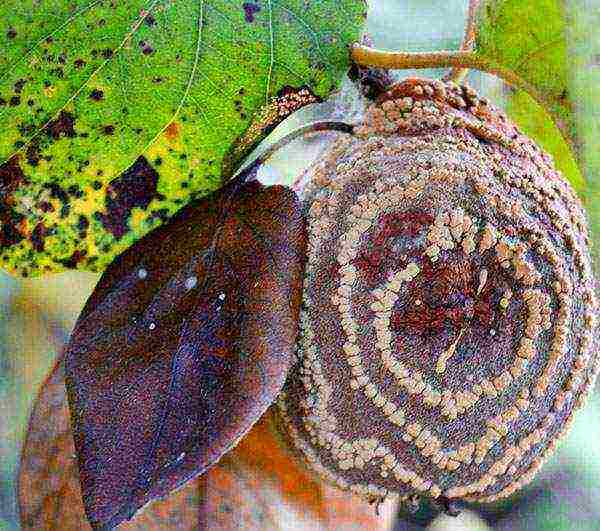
(448, 325)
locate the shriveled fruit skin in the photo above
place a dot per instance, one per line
(448, 328)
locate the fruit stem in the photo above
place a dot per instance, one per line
(325, 125)
(313, 127)
(366, 56)
(458, 74)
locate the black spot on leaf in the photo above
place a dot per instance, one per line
(136, 187)
(11, 177)
(37, 237)
(62, 126)
(45, 206)
(75, 191)
(19, 85)
(146, 48)
(33, 152)
(250, 9)
(96, 95)
(56, 192)
(74, 259)
(82, 225)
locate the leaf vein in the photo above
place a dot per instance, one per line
(125, 40)
(272, 54)
(191, 78)
(313, 33)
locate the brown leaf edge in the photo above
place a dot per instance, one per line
(261, 484)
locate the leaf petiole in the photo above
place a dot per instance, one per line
(313, 127)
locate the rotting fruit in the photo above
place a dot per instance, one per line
(448, 322)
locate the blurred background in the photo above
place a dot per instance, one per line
(37, 315)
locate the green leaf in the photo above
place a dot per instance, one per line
(584, 81)
(529, 39)
(537, 123)
(552, 48)
(116, 114)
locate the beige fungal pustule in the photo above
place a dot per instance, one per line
(448, 329)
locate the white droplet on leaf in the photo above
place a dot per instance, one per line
(191, 282)
(142, 273)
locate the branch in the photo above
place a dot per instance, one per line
(458, 74)
(365, 56)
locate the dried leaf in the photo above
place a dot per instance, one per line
(257, 486)
(183, 345)
(261, 485)
(49, 492)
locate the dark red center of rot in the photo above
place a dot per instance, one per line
(379, 255)
(444, 297)
(407, 224)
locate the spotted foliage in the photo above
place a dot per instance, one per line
(449, 316)
(114, 115)
(170, 362)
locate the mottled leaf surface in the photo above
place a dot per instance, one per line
(257, 486)
(116, 114)
(553, 46)
(184, 343)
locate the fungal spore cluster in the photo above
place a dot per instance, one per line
(449, 319)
